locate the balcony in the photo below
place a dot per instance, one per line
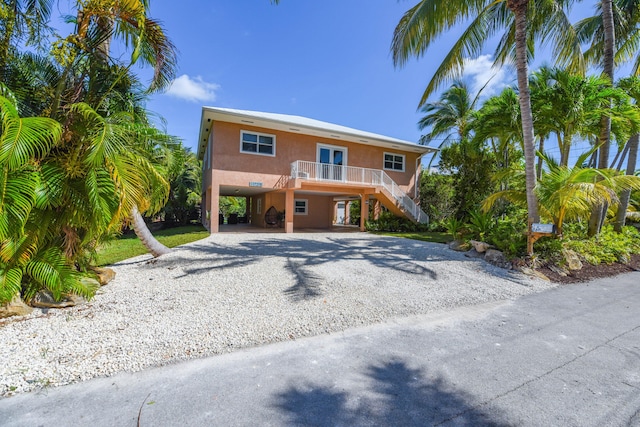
(323, 172)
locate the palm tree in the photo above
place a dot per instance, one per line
(523, 20)
(28, 261)
(451, 116)
(613, 36)
(98, 21)
(21, 22)
(582, 100)
(632, 87)
(571, 192)
(498, 121)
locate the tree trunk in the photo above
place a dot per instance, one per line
(540, 149)
(607, 63)
(519, 8)
(142, 231)
(600, 212)
(621, 215)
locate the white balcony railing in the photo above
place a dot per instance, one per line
(324, 172)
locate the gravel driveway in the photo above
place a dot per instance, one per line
(231, 291)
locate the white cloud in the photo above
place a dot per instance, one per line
(193, 89)
(481, 72)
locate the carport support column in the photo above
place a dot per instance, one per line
(364, 211)
(214, 208)
(376, 209)
(288, 212)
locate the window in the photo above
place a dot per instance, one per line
(257, 143)
(300, 206)
(258, 206)
(394, 162)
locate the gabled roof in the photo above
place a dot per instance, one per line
(298, 124)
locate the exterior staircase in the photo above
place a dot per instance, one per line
(388, 192)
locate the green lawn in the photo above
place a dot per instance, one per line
(426, 236)
(129, 246)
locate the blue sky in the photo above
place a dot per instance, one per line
(328, 60)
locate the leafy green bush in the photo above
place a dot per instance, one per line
(508, 235)
(436, 195)
(389, 222)
(454, 227)
(480, 224)
(608, 246)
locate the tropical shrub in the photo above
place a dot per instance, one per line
(608, 246)
(387, 221)
(508, 235)
(437, 196)
(454, 227)
(480, 223)
(472, 166)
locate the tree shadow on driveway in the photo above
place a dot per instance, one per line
(299, 255)
(393, 395)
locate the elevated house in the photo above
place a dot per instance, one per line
(307, 170)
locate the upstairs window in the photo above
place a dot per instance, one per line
(394, 162)
(257, 143)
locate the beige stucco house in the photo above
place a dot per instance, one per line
(307, 168)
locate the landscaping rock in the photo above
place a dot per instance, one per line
(473, 254)
(481, 247)
(44, 299)
(458, 245)
(15, 307)
(558, 270)
(497, 258)
(534, 273)
(105, 275)
(572, 259)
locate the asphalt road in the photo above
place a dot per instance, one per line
(565, 357)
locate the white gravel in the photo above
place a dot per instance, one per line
(231, 291)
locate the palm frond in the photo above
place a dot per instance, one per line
(10, 283)
(24, 139)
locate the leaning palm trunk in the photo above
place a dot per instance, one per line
(621, 215)
(519, 8)
(144, 234)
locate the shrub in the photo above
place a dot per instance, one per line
(480, 224)
(454, 227)
(508, 235)
(389, 222)
(608, 246)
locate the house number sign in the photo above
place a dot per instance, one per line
(543, 228)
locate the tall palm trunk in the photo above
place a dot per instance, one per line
(599, 213)
(607, 62)
(144, 234)
(519, 8)
(540, 149)
(626, 194)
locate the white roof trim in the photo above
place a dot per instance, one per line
(298, 124)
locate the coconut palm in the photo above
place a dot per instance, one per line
(451, 117)
(523, 20)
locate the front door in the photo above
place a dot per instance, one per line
(331, 161)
